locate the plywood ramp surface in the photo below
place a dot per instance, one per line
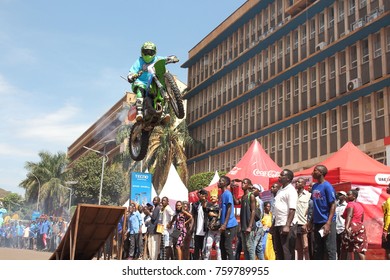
(89, 229)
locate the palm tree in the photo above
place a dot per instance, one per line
(166, 147)
(46, 179)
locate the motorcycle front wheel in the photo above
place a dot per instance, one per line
(175, 98)
(138, 142)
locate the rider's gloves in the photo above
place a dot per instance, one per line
(132, 77)
(172, 59)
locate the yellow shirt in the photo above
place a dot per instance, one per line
(386, 215)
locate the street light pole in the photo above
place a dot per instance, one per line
(104, 160)
(39, 189)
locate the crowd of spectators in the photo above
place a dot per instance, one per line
(42, 234)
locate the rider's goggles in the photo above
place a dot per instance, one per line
(148, 52)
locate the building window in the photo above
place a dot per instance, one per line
(273, 53)
(273, 97)
(379, 104)
(333, 120)
(288, 137)
(388, 39)
(296, 85)
(355, 113)
(314, 130)
(280, 140)
(342, 62)
(296, 39)
(324, 124)
(365, 53)
(332, 67)
(288, 89)
(313, 77)
(344, 117)
(321, 20)
(312, 28)
(377, 45)
(304, 81)
(367, 108)
(362, 3)
(340, 5)
(288, 44)
(353, 55)
(305, 131)
(303, 34)
(322, 73)
(265, 143)
(280, 94)
(280, 49)
(296, 134)
(330, 16)
(351, 7)
(273, 142)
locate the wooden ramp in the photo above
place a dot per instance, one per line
(90, 228)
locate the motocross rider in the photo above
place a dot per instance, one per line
(148, 56)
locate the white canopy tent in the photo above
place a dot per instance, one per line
(174, 188)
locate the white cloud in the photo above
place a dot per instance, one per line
(5, 87)
(59, 126)
(15, 150)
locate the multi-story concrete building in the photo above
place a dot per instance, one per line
(302, 77)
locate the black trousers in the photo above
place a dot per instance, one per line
(198, 247)
(226, 243)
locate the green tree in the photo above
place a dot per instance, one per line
(166, 147)
(12, 202)
(46, 179)
(86, 171)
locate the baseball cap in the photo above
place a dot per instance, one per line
(342, 193)
(258, 186)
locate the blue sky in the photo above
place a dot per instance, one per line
(61, 62)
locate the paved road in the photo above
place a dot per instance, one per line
(19, 254)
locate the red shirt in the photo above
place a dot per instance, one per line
(358, 211)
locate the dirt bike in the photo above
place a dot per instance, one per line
(163, 92)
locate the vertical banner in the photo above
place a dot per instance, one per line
(140, 187)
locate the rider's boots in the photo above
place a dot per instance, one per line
(138, 103)
(165, 118)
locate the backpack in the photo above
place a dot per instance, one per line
(258, 215)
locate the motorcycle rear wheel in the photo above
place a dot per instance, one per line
(138, 142)
(175, 98)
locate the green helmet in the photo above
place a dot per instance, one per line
(148, 51)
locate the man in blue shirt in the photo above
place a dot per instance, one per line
(134, 223)
(228, 220)
(323, 219)
(44, 230)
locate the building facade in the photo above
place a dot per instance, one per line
(302, 77)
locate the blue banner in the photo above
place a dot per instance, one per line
(140, 187)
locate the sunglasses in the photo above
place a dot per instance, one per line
(148, 52)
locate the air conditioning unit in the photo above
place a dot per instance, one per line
(320, 46)
(220, 143)
(357, 24)
(354, 84)
(372, 16)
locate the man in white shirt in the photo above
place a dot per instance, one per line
(301, 213)
(340, 221)
(284, 231)
(166, 253)
(199, 223)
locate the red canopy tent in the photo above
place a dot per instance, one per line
(255, 165)
(351, 168)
